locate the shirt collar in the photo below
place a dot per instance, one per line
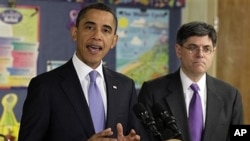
(186, 81)
(83, 69)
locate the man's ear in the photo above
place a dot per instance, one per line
(73, 31)
(114, 41)
(178, 50)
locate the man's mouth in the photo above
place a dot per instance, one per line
(93, 48)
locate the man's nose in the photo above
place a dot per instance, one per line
(199, 51)
(97, 35)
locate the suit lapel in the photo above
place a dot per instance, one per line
(112, 86)
(74, 92)
(176, 102)
(214, 106)
(177, 105)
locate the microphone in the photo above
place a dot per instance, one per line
(143, 115)
(166, 120)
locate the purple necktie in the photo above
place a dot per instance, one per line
(195, 115)
(95, 103)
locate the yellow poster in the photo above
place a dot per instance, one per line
(19, 42)
(9, 126)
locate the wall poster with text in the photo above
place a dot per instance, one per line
(150, 3)
(142, 48)
(19, 41)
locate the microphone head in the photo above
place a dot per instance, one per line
(139, 108)
(165, 120)
(160, 112)
(142, 113)
(147, 120)
(158, 109)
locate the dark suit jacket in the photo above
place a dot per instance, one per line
(224, 105)
(55, 108)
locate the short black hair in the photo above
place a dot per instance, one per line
(98, 6)
(195, 28)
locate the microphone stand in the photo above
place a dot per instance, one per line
(159, 137)
(151, 126)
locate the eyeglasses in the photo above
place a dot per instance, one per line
(195, 49)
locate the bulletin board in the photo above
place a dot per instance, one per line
(46, 41)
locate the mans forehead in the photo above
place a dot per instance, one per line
(199, 40)
(199, 45)
(98, 19)
(93, 23)
(96, 13)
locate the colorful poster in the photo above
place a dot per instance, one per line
(9, 125)
(150, 3)
(133, 3)
(78, 1)
(142, 48)
(19, 41)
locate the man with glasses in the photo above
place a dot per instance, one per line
(191, 95)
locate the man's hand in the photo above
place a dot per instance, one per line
(132, 136)
(102, 136)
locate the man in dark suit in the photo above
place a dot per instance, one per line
(57, 104)
(221, 104)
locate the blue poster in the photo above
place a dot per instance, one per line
(142, 48)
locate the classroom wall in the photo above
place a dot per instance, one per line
(55, 43)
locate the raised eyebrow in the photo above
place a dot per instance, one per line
(207, 46)
(193, 45)
(198, 45)
(108, 26)
(89, 22)
(93, 23)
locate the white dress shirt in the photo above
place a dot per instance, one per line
(83, 71)
(188, 92)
